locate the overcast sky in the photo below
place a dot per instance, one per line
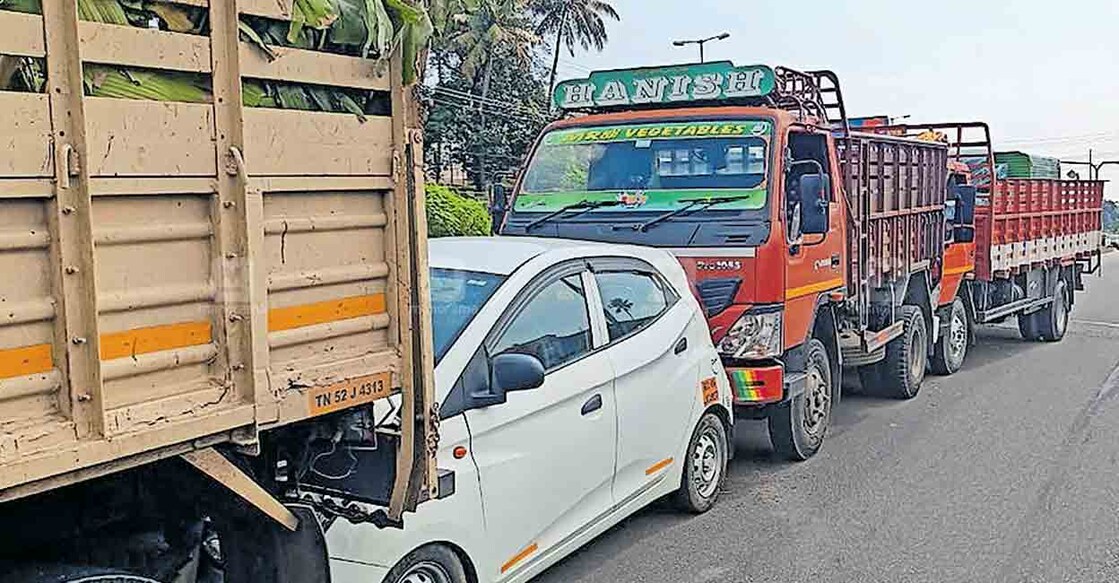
(1045, 75)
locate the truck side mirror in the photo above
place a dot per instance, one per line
(815, 197)
(964, 234)
(964, 195)
(498, 198)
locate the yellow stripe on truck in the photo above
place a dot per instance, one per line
(519, 557)
(799, 292)
(25, 360)
(281, 319)
(28, 360)
(154, 339)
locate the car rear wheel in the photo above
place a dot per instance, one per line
(430, 564)
(951, 347)
(705, 466)
(797, 428)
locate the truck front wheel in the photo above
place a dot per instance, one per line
(797, 428)
(906, 357)
(951, 348)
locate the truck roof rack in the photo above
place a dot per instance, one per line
(815, 93)
(968, 142)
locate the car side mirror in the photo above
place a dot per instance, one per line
(815, 199)
(512, 372)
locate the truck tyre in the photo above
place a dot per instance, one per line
(705, 466)
(906, 358)
(951, 349)
(1027, 327)
(797, 428)
(1052, 322)
(429, 564)
(71, 574)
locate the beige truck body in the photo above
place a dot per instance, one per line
(176, 276)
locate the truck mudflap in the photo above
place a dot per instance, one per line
(764, 385)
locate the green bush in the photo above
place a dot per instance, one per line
(449, 214)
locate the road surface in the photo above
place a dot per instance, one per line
(1007, 471)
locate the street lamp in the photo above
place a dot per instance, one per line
(701, 42)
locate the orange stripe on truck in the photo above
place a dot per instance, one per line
(658, 466)
(281, 319)
(29, 360)
(154, 339)
(25, 360)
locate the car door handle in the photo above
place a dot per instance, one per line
(681, 346)
(593, 404)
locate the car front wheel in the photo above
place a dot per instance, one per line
(705, 466)
(430, 564)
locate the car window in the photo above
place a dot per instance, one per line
(631, 300)
(456, 297)
(554, 326)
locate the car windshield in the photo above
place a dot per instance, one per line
(456, 297)
(650, 167)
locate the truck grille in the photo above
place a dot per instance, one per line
(717, 295)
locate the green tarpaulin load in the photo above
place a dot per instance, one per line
(364, 28)
(1023, 165)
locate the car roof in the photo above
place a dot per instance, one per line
(504, 255)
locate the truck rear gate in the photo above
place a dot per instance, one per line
(180, 274)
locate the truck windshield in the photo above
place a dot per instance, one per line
(456, 297)
(649, 167)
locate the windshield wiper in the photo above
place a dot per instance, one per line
(692, 203)
(583, 207)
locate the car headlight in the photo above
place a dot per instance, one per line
(754, 335)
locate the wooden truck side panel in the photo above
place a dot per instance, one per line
(183, 274)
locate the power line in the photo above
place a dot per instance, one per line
(488, 101)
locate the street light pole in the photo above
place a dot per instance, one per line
(701, 42)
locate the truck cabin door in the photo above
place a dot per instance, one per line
(813, 228)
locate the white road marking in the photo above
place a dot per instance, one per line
(1097, 323)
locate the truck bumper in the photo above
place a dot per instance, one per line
(757, 385)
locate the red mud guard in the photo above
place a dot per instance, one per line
(757, 386)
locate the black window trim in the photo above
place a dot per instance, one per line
(638, 266)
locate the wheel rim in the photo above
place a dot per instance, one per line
(426, 572)
(917, 355)
(817, 401)
(957, 336)
(1061, 312)
(707, 462)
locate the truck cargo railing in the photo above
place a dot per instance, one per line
(186, 274)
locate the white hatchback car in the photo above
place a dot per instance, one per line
(578, 384)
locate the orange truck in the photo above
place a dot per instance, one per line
(1016, 247)
(812, 247)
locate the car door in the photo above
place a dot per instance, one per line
(545, 457)
(653, 347)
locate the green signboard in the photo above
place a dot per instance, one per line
(643, 200)
(665, 85)
(626, 133)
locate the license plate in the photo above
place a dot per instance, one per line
(349, 393)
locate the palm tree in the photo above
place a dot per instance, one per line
(483, 31)
(581, 22)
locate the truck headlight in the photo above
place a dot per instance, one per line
(754, 335)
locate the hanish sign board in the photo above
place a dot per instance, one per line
(665, 85)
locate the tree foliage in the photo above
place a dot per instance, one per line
(449, 214)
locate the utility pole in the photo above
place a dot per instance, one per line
(701, 42)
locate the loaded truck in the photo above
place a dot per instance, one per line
(812, 247)
(205, 302)
(1017, 247)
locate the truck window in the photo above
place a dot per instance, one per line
(651, 166)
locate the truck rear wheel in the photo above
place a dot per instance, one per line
(1027, 327)
(951, 348)
(906, 358)
(1052, 322)
(797, 428)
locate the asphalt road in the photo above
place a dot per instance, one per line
(1007, 471)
